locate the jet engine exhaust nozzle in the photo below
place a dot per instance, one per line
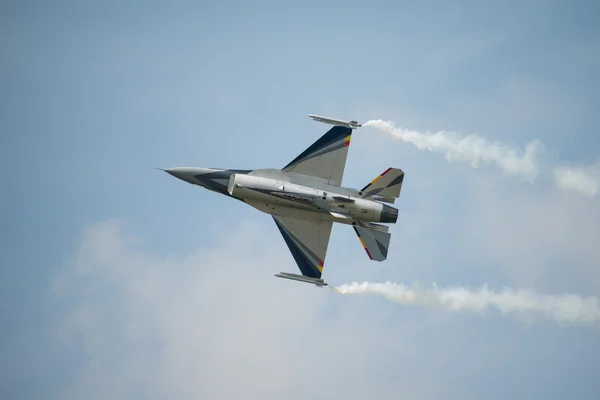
(389, 215)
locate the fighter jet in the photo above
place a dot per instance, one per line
(305, 198)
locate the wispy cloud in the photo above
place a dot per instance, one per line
(212, 324)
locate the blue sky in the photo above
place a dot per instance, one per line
(119, 281)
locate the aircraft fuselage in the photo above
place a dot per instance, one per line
(287, 194)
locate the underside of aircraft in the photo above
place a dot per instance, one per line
(306, 197)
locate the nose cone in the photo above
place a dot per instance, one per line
(184, 173)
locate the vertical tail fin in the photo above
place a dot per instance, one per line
(386, 187)
(375, 241)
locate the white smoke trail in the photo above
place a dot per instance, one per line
(563, 308)
(512, 160)
(583, 179)
(471, 148)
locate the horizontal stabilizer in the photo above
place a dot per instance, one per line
(386, 187)
(375, 242)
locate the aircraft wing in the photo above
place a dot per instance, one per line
(325, 158)
(307, 241)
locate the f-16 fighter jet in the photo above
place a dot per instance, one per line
(305, 198)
